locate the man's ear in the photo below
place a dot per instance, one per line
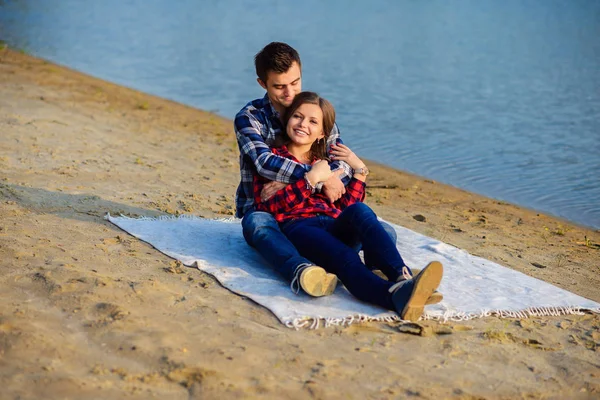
(261, 83)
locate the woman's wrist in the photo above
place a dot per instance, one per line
(314, 176)
(310, 182)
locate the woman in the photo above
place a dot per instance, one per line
(323, 232)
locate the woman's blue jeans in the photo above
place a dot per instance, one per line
(328, 242)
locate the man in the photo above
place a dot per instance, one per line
(279, 72)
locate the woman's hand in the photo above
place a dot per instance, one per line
(319, 172)
(343, 153)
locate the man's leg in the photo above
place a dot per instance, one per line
(262, 232)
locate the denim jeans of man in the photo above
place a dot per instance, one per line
(324, 240)
(262, 232)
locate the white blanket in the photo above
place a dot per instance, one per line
(472, 286)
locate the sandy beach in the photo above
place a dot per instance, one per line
(88, 311)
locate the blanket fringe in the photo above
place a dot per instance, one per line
(325, 322)
(519, 314)
(107, 217)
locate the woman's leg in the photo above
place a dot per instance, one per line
(351, 239)
(380, 250)
(393, 236)
(313, 241)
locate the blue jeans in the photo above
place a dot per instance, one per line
(329, 243)
(262, 232)
(357, 246)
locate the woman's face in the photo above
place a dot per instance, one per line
(306, 124)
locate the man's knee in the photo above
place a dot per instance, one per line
(257, 224)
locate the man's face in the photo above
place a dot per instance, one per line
(282, 88)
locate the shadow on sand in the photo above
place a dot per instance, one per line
(82, 207)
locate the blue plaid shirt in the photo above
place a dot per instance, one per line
(256, 127)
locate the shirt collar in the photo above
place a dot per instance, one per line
(269, 109)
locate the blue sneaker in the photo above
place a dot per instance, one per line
(410, 296)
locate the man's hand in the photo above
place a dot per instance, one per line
(333, 187)
(270, 189)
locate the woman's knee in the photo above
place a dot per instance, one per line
(390, 231)
(360, 209)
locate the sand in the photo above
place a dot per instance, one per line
(87, 311)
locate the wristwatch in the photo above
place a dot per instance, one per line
(362, 171)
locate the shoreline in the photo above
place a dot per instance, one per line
(559, 219)
(88, 310)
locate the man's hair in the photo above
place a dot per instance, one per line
(277, 57)
(318, 149)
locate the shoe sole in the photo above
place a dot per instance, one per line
(425, 284)
(316, 282)
(435, 298)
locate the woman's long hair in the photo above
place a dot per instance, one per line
(318, 149)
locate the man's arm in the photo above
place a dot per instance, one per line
(334, 188)
(284, 200)
(291, 195)
(334, 138)
(253, 147)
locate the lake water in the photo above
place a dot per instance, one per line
(497, 97)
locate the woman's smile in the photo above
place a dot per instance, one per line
(306, 124)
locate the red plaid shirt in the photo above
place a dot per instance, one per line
(297, 201)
